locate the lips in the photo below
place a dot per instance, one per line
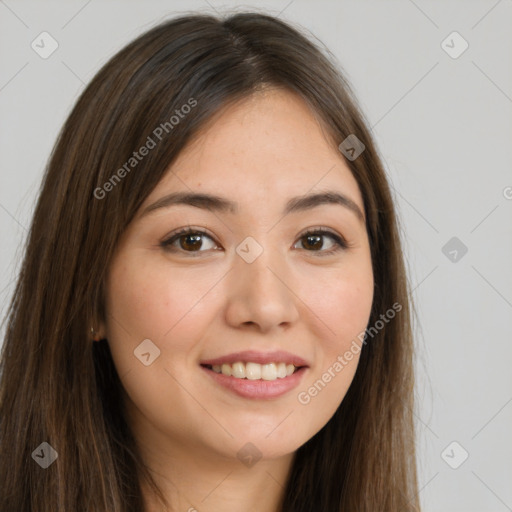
(257, 375)
(253, 356)
(259, 389)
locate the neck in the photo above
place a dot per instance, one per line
(194, 477)
(194, 481)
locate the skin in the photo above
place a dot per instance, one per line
(206, 303)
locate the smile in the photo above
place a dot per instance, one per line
(256, 387)
(257, 375)
(254, 371)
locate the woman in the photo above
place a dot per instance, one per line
(212, 312)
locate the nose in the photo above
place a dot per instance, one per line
(261, 295)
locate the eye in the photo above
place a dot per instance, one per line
(191, 240)
(187, 240)
(314, 241)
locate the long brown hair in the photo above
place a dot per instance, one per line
(58, 387)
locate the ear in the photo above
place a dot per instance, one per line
(96, 324)
(97, 331)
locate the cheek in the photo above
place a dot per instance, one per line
(152, 302)
(169, 306)
(341, 304)
(342, 301)
(351, 306)
(149, 301)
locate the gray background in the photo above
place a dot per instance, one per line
(443, 126)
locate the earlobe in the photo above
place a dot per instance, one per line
(97, 329)
(97, 335)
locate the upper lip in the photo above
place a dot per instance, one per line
(253, 356)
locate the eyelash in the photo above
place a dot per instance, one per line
(340, 243)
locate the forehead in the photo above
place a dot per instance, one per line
(266, 147)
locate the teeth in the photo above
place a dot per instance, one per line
(281, 370)
(238, 370)
(255, 371)
(269, 371)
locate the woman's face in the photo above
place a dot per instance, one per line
(253, 281)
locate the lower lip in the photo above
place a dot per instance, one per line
(258, 388)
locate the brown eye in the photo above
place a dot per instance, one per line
(313, 241)
(190, 242)
(187, 240)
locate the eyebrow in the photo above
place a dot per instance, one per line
(220, 204)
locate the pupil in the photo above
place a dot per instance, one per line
(314, 237)
(195, 244)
